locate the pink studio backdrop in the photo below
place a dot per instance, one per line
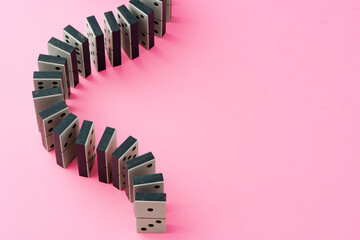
(251, 109)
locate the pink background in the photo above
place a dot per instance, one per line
(251, 109)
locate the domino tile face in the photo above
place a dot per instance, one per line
(151, 225)
(107, 145)
(46, 98)
(112, 39)
(48, 142)
(145, 18)
(143, 14)
(47, 79)
(128, 24)
(131, 49)
(81, 44)
(129, 32)
(85, 148)
(52, 63)
(159, 28)
(125, 152)
(150, 205)
(153, 183)
(159, 8)
(139, 166)
(49, 119)
(65, 135)
(96, 43)
(146, 40)
(61, 49)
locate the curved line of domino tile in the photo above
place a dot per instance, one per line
(82, 144)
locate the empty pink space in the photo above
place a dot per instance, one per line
(251, 109)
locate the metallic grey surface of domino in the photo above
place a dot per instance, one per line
(96, 43)
(150, 205)
(65, 135)
(61, 49)
(145, 18)
(139, 166)
(104, 151)
(151, 225)
(112, 39)
(49, 119)
(52, 63)
(85, 148)
(126, 151)
(81, 44)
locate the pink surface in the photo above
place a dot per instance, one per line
(251, 109)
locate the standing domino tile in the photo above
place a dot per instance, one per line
(142, 165)
(106, 147)
(127, 150)
(112, 39)
(60, 49)
(49, 119)
(150, 205)
(52, 63)
(129, 32)
(44, 99)
(151, 225)
(96, 41)
(168, 10)
(85, 148)
(44, 80)
(65, 135)
(153, 183)
(145, 18)
(150, 212)
(159, 7)
(81, 44)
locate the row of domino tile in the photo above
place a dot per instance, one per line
(60, 128)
